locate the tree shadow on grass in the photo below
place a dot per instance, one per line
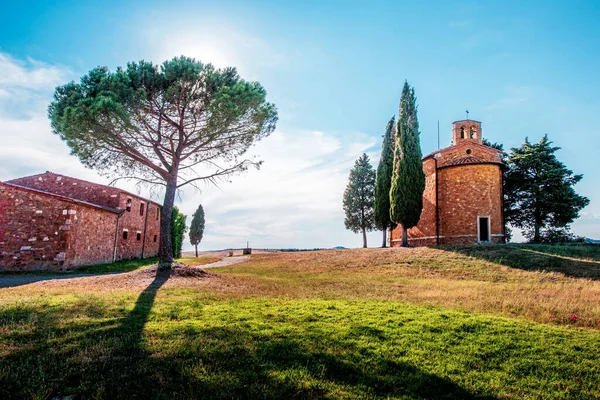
(532, 258)
(114, 359)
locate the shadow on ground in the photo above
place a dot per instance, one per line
(573, 261)
(114, 359)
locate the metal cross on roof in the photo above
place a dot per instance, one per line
(467, 114)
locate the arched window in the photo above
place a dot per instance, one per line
(462, 132)
(471, 132)
(128, 205)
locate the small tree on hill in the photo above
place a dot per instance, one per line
(178, 230)
(359, 198)
(383, 181)
(180, 123)
(197, 227)
(408, 179)
(539, 192)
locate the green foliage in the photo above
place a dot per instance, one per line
(178, 230)
(160, 125)
(197, 226)
(408, 179)
(383, 180)
(359, 197)
(538, 191)
(495, 145)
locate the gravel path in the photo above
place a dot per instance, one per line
(225, 262)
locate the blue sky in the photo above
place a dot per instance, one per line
(335, 71)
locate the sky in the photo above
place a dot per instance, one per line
(335, 70)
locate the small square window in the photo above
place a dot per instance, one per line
(138, 236)
(124, 235)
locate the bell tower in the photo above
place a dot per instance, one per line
(466, 129)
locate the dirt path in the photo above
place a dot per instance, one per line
(12, 281)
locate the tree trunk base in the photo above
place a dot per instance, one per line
(164, 266)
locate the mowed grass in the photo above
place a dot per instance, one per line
(375, 323)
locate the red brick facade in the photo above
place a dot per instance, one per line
(51, 221)
(462, 202)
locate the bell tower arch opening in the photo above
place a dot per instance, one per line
(466, 129)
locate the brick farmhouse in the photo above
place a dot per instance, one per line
(462, 202)
(55, 222)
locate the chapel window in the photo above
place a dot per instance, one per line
(142, 208)
(471, 132)
(462, 132)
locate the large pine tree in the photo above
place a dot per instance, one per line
(538, 191)
(383, 181)
(359, 198)
(408, 179)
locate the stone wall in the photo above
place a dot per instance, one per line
(94, 193)
(41, 231)
(133, 222)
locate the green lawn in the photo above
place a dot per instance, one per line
(280, 326)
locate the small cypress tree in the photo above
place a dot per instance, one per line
(197, 227)
(383, 181)
(178, 230)
(408, 179)
(359, 198)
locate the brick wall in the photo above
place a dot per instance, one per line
(465, 192)
(46, 232)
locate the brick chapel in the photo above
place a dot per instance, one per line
(55, 222)
(463, 198)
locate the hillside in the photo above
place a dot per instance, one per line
(462, 322)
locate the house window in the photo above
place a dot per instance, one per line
(483, 229)
(125, 235)
(138, 236)
(142, 209)
(155, 238)
(128, 205)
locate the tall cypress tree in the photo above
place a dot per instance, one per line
(359, 198)
(197, 227)
(408, 179)
(383, 181)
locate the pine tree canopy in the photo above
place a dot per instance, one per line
(178, 123)
(538, 190)
(359, 196)
(408, 179)
(197, 226)
(383, 180)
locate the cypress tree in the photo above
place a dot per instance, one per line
(408, 178)
(178, 230)
(359, 198)
(197, 227)
(383, 181)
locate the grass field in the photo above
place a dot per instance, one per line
(458, 322)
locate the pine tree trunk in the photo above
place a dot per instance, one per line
(364, 232)
(404, 237)
(384, 244)
(165, 251)
(196, 250)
